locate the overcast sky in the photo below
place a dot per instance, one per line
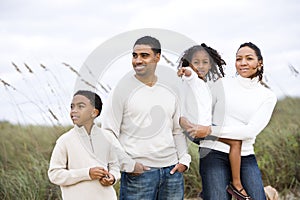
(53, 32)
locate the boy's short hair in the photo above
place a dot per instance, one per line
(151, 41)
(93, 97)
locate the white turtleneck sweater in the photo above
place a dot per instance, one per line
(74, 154)
(247, 107)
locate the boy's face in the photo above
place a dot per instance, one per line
(82, 112)
(201, 62)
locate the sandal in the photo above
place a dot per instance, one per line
(237, 193)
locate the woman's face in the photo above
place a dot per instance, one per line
(247, 62)
(201, 62)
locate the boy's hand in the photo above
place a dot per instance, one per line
(97, 173)
(107, 180)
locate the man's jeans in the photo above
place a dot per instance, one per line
(155, 184)
(216, 175)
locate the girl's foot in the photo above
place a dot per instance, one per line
(237, 193)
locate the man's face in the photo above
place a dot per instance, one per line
(144, 60)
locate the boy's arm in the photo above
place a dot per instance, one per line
(58, 172)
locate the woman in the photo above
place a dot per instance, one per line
(247, 106)
(199, 64)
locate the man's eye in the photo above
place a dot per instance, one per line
(144, 55)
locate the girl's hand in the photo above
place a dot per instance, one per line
(184, 71)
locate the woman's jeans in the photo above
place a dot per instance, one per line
(157, 183)
(215, 172)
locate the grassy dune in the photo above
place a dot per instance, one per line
(25, 153)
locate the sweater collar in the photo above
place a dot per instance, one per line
(248, 82)
(82, 132)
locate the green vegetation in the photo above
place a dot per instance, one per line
(25, 153)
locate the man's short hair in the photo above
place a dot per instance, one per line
(151, 41)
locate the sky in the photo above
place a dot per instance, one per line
(54, 37)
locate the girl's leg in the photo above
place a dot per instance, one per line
(235, 162)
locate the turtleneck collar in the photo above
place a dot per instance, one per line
(248, 82)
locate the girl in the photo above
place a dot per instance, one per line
(203, 60)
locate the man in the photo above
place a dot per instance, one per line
(144, 115)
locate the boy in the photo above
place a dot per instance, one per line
(83, 162)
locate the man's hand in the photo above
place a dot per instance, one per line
(139, 168)
(97, 173)
(178, 167)
(107, 180)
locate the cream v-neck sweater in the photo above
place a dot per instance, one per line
(146, 122)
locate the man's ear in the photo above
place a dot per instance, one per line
(157, 57)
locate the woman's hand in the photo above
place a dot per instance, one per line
(194, 130)
(199, 131)
(185, 123)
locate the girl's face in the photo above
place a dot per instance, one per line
(201, 62)
(247, 62)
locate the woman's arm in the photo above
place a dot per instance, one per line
(248, 131)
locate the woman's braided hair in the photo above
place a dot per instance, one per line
(215, 59)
